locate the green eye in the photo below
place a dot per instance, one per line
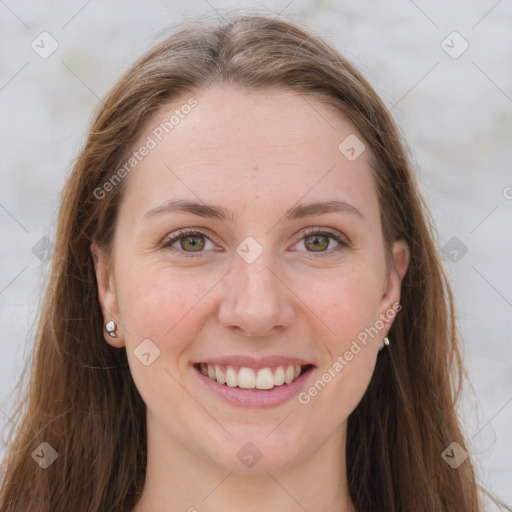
(194, 243)
(190, 241)
(317, 242)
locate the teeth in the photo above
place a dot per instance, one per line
(265, 379)
(289, 374)
(246, 378)
(249, 378)
(231, 377)
(279, 376)
(219, 376)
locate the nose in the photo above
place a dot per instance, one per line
(256, 301)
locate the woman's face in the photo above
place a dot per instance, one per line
(251, 294)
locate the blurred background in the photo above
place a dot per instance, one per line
(443, 68)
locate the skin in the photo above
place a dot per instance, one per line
(256, 154)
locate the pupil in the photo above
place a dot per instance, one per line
(194, 242)
(319, 241)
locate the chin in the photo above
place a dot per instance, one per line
(256, 449)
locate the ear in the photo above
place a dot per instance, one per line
(107, 295)
(390, 301)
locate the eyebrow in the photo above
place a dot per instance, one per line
(217, 212)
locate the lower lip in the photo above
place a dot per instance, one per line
(249, 398)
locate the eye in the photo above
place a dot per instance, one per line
(319, 241)
(187, 240)
(193, 242)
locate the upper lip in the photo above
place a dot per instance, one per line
(255, 362)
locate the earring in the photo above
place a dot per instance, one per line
(111, 328)
(386, 341)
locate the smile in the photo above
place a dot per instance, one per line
(253, 383)
(252, 378)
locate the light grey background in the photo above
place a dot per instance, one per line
(456, 114)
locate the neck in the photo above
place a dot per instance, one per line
(178, 480)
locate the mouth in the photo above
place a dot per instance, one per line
(253, 379)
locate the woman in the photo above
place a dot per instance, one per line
(246, 306)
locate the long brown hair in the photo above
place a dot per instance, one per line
(82, 400)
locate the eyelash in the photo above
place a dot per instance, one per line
(170, 240)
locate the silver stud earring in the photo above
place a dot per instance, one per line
(386, 341)
(111, 329)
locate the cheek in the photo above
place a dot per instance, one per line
(346, 301)
(338, 389)
(164, 306)
(349, 307)
(167, 308)
(353, 319)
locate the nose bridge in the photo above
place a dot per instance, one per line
(257, 280)
(255, 301)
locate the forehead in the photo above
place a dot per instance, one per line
(230, 146)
